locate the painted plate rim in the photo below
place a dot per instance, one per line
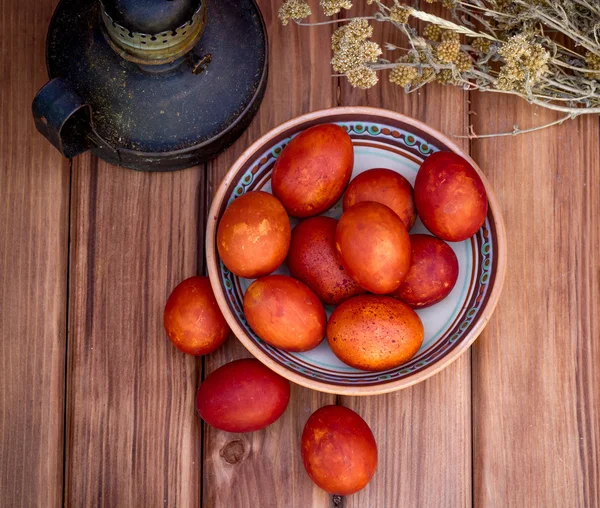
(213, 260)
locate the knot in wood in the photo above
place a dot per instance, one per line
(233, 452)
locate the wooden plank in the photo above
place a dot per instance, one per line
(536, 398)
(264, 469)
(34, 210)
(133, 436)
(423, 432)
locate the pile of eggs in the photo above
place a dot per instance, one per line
(366, 265)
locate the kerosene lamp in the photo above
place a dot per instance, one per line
(153, 85)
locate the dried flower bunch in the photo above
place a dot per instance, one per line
(545, 51)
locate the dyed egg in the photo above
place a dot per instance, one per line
(374, 333)
(450, 197)
(253, 237)
(432, 274)
(386, 187)
(314, 260)
(338, 450)
(285, 313)
(374, 246)
(313, 170)
(242, 396)
(192, 318)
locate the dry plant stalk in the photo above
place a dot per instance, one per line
(501, 46)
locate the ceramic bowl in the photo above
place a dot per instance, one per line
(381, 139)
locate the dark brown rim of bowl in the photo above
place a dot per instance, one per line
(213, 259)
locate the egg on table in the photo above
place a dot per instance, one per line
(242, 396)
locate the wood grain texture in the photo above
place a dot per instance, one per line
(423, 432)
(34, 206)
(133, 437)
(264, 469)
(536, 384)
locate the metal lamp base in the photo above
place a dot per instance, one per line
(155, 117)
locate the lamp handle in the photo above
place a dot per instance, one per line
(63, 118)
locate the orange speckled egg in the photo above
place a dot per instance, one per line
(192, 318)
(374, 333)
(253, 237)
(432, 274)
(313, 170)
(242, 396)
(339, 451)
(387, 187)
(450, 197)
(314, 260)
(285, 313)
(374, 246)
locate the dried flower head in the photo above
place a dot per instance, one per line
(445, 77)
(403, 75)
(592, 61)
(293, 9)
(432, 32)
(463, 62)
(362, 77)
(480, 44)
(331, 7)
(400, 14)
(525, 63)
(450, 36)
(449, 4)
(355, 32)
(426, 74)
(448, 50)
(501, 5)
(351, 49)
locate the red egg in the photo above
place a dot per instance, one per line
(312, 171)
(338, 450)
(253, 236)
(387, 187)
(432, 274)
(192, 318)
(314, 260)
(242, 396)
(450, 197)
(374, 246)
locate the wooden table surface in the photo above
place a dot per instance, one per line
(97, 407)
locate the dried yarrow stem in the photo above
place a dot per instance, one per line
(545, 51)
